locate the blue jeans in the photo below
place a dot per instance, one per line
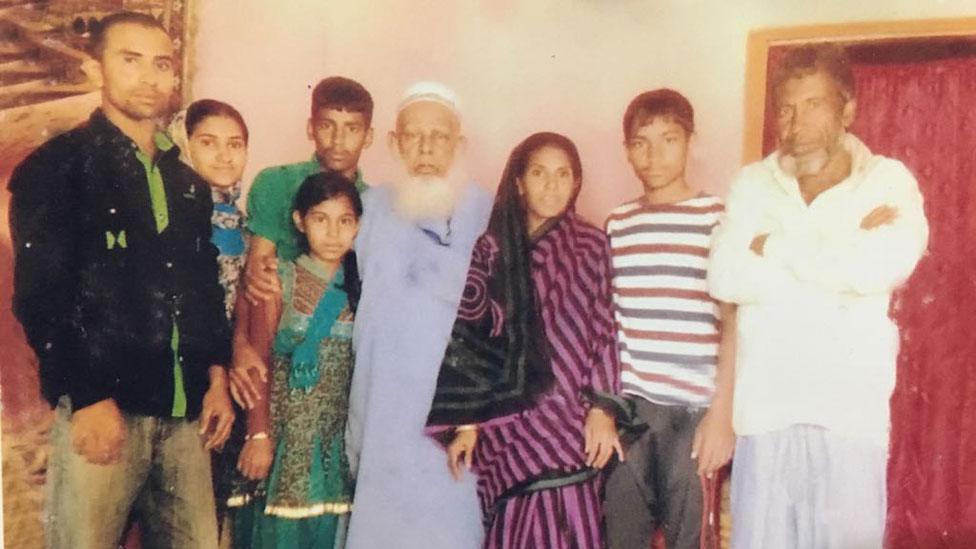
(164, 475)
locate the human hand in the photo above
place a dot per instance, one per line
(248, 367)
(261, 282)
(461, 451)
(714, 442)
(600, 438)
(98, 431)
(217, 416)
(882, 215)
(255, 459)
(758, 244)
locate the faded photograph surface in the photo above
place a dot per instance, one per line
(487, 274)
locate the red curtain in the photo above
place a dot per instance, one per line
(923, 114)
(922, 111)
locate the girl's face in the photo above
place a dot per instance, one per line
(547, 185)
(218, 150)
(330, 227)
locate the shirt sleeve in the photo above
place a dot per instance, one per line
(45, 241)
(264, 206)
(867, 261)
(735, 273)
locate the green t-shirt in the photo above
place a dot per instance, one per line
(270, 200)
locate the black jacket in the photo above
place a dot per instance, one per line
(98, 308)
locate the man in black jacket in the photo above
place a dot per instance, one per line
(116, 286)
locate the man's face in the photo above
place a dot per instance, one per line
(138, 74)
(427, 138)
(811, 115)
(340, 137)
(658, 151)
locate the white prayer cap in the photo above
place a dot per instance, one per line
(428, 90)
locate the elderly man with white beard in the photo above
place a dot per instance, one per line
(414, 249)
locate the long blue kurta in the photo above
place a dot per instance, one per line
(413, 275)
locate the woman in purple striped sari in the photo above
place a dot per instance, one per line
(522, 394)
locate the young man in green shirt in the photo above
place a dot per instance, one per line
(340, 125)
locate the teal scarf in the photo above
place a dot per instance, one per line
(304, 351)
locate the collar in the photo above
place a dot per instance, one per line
(569, 216)
(107, 133)
(645, 204)
(163, 142)
(358, 180)
(308, 263)
(438, 230)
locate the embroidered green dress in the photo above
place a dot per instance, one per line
(307, 496)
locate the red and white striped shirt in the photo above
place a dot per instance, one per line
(667, 324)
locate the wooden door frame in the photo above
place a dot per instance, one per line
(760, 40)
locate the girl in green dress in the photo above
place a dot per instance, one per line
(296, 420)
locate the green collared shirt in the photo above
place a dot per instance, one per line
(269, 203)
(157, 197)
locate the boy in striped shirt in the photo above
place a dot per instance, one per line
(675, 340)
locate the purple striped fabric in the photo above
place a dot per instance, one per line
(571, 272)
(561, 518)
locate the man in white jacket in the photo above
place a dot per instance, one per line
(815, 239)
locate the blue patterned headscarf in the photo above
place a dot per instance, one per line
(227, 219)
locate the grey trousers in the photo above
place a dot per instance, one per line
(657, 485)
(805, 487)
(164, 474)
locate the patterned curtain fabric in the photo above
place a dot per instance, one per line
(921, 109)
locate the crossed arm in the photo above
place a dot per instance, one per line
(749, 264)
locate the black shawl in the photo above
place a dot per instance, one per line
(486, 375)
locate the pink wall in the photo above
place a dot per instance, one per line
(569, 66)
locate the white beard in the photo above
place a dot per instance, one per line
(809, 164)
(418, 197)
(803, 166)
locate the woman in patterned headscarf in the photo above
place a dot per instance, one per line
(525, 392)
(212, 138)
